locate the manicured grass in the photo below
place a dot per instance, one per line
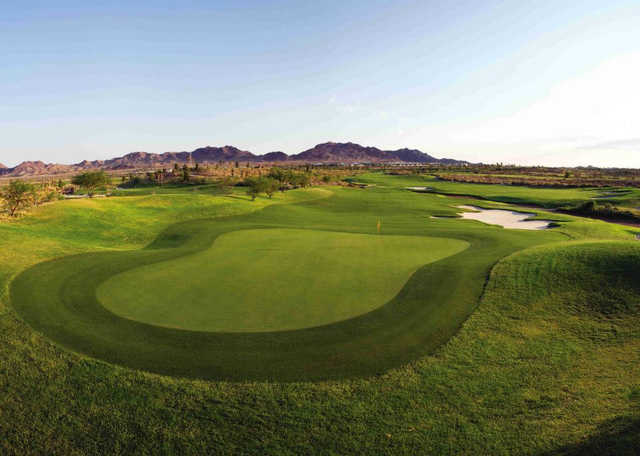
(501, 196)
(546, 362)
(427, 311)
(544, 197)
(272, 280)
(622, 196)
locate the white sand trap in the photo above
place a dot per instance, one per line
(504, 218)
(420, 189)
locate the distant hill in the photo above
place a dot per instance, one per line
(342, 152)
(146, 159)
(215, 154)
(329, 152)
(352, 152)
(29, 168)
(274, 157)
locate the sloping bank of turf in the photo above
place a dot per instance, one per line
(58, 298)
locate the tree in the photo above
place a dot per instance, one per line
(270, 186)
(18, 195)
(186, 175)
(281, 176)
(259, 185)
(253, 189)
(225, 185)
(159, 176)
(91, 181)
(300, 180)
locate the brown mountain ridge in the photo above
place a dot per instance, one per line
(329, 152)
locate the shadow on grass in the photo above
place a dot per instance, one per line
(619, 436)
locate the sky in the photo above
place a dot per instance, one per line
(532, 83)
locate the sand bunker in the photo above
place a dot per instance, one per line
(506, 219)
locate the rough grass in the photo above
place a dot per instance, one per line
(528, 373)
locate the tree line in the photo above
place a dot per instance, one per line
(277, 179)
(20, 195)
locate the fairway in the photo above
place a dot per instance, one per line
(273, 279)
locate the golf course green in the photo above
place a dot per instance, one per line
(272, 280)
(199, 302)
(330, 320)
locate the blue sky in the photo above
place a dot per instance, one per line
(551, 82)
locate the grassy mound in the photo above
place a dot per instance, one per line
(600, 278)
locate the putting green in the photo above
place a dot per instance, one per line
(273, 280)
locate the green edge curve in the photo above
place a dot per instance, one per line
(58, 299)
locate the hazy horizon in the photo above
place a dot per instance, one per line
(490, 81)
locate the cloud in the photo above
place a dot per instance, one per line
(603, 102)
(621, 144)
(592, 118)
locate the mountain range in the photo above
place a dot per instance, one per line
(329, 152)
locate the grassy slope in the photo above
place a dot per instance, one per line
(273, 279)
(516, 379)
